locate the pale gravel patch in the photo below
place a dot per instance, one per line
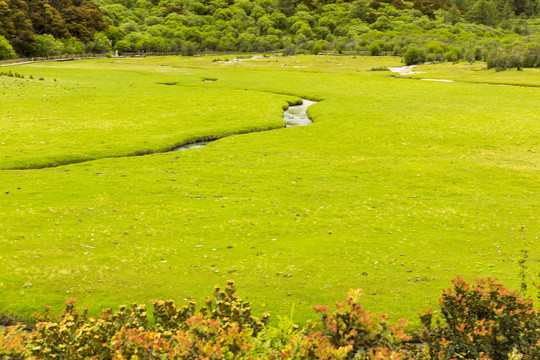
(404, 70)
(440, 80)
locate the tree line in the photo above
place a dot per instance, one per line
(439, 30)
(21, 21)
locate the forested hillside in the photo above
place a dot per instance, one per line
(430, 30)
(21, 21)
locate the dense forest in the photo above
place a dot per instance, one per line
(506, 33)
(22, 21)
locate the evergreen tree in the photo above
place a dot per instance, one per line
(532, 8)
(483, 12)
(452, 16)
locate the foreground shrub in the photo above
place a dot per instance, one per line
(277, 341)
(350, 332)
(202, 339)
(12, 343)
(221, 330)
(482, 321)
(226, 306)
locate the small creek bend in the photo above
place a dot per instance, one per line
(295, 115)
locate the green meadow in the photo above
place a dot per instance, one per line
(398, 186)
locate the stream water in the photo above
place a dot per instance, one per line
(294, 116)
(297, 115)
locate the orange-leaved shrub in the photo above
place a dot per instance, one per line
(482, 321)
(349, 332)
(222, 330)
(13, 342)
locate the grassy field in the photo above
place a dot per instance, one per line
(477, 74)
(397, 186)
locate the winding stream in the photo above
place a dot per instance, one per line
(295, 115)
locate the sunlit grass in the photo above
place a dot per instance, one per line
(395, 188)
(478, 73)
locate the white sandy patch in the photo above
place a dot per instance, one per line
(405, 70)
(441, 80)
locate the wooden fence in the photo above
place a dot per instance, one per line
(50, 58)
(140, 54)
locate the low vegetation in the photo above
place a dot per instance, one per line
(483, 321)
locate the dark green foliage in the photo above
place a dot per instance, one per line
(360, 10)
(483, 12)
(376, 47)
(452, 16)
(453, 55)
(482, 321)
(532, 56)
(514, 58)
(290, 27)
(11, 74)
(429, 7)
(508, 58)
(414, 56)
(21, 21)
(309, 27)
